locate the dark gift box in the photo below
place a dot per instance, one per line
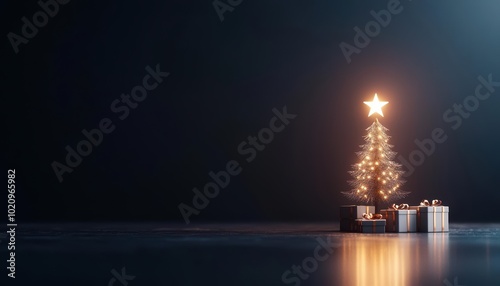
(354, 212)
(370, 225)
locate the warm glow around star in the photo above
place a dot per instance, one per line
(375, 105)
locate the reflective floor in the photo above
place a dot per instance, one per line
(251, 254)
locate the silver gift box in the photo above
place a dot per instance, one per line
(400, 220)
(432, 219)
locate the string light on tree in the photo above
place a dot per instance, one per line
(377, 178)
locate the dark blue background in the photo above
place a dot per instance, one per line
(226, 77)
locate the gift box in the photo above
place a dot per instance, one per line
(370, 225)
(432, 218)
(347, 224)
(400, 220)
(354, 212)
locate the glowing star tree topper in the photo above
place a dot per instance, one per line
(377, 178)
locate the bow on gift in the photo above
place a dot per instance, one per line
(435, 203)
(400, 207)
(372, 216)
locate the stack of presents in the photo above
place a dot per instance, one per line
(427, 217)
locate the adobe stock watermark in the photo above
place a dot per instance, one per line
(372, 29)
(122, 277)
(222, 7)
(454, 116)
(297, 273)
(29, 29)
(249, 149)
(119, 107)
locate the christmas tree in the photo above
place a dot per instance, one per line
(377, 178)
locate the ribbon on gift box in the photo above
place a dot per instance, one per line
(401, 207)
(434, 203)
(373, 217)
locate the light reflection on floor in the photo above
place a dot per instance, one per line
(253, 254)
(399, 259)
